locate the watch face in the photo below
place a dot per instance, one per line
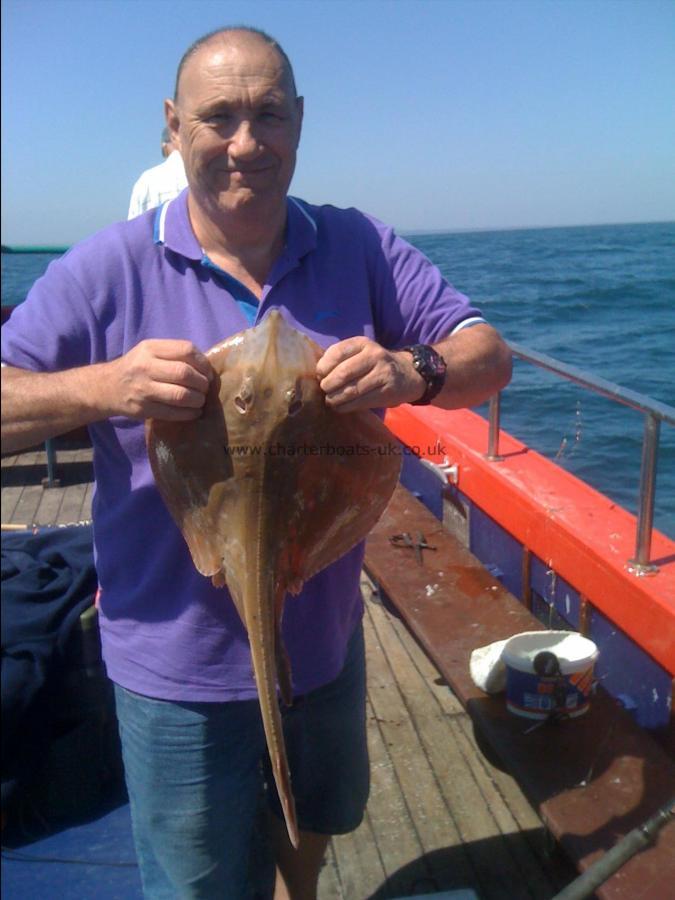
(428, 362)
(431, 367)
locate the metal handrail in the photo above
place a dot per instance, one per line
(608, 389)
(654, 412)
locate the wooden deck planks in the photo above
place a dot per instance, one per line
(358, 862)
(401, 716)
(440, 815)
(482, 791)
(459, 805)
(26, 501)
(511, 811)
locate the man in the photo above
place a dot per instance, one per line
(115, 333)
(162, 182)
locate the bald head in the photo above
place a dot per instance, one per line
(240, 36)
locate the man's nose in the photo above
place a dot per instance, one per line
(243, 141)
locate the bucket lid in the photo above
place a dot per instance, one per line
(573, 651)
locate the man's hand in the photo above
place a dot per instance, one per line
(357, 374)
(162, 379)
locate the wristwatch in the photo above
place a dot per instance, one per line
(431, 366)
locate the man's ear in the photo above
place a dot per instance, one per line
(172, 122)
(300, 111)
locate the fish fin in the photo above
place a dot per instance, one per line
(219, 580)
(191, 471)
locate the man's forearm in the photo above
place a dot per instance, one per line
(479, 365)
(163, 379)
(40, 405)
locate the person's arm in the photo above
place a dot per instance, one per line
(358, 373)
(164, 379)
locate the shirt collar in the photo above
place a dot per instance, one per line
(173, 229)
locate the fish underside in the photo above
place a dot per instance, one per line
(269, 486)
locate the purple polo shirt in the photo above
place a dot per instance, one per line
(166, 631)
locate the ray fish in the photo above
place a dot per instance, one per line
(268, 487)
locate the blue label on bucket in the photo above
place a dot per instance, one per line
(536, 696)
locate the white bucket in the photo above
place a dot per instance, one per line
(563, 689)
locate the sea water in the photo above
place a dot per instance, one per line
(601, 298)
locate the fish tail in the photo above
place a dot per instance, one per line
(285, 792)
(260, 617)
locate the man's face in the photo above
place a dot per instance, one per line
(238, 122)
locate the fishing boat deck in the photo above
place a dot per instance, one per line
(442, 817)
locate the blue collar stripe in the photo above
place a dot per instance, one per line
(250, 310)
(246, 300)
(160, 222)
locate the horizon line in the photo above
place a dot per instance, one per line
(8, 246)
(491, 228)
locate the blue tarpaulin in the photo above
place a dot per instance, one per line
(48, 581)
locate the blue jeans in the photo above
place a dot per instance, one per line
(195, 773)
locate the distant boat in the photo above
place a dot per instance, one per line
(33, 249)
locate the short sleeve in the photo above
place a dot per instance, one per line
(412, 301)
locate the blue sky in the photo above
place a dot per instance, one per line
(434, 114)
